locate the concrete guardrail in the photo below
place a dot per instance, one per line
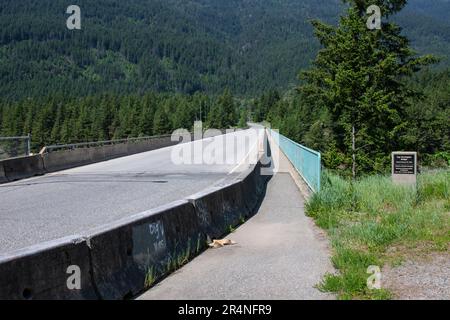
(22, 167)
(49, 161)
(3, 178)
(71, 158)
(120, 260)
(40, 271)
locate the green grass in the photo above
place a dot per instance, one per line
(366, 218)
(150, 278)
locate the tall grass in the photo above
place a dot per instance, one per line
(366, 217)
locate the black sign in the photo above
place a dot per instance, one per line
(404, 164)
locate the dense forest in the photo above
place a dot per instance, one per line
(181, 46)
(59, 120)
(146, 67)
(134, 46)
(427, 128)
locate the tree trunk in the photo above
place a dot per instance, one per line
(353, 152)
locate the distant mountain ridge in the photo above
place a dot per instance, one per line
(177, 45)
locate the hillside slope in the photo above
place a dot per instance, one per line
(176, 45)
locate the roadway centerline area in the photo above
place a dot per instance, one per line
(74, 201)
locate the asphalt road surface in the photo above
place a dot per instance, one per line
(76, 200)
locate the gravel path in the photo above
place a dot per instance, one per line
(420, 279)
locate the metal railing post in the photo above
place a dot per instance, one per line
(319, 172)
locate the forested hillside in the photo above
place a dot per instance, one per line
(181, 46)
(143, 67)
(58, 120)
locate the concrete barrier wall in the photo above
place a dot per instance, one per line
(3, 178)
(26, 167)
(149, 145)
(253, 187)
(61, 160)
(132, 254)
(119, 260)
(40, 272)
(56, 161)
(219, 209)
(22, 167)
(67, 159)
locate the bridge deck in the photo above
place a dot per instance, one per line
(73, 201)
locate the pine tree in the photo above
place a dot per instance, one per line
(243, 118)
(228, 109)
(147, 113)
(161, 122)
(42, 126)
(358, 77)
(216, 117)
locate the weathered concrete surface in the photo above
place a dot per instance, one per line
(128, 254)
(66, 159)
(279, 254)
(23, 167)
(3, 178)
(42, 271)
(120, 259)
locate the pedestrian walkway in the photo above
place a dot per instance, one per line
(280, 254)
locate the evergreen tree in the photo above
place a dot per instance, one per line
(216, 117)
(146, 117)
(161, 122)
(42, 126)
(243, 118)
(228, 109)
(358, 77)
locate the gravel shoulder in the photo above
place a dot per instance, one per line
(420, 278)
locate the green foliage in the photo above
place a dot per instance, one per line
(243, 118)
(161, 124)
(181, 46)
(132, 46)
(150, 278)
(364, 79)
(227, 107)
(224, 113)
(365, 218)
(357, 78)
(58, 120)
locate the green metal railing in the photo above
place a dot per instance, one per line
(306, 161)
